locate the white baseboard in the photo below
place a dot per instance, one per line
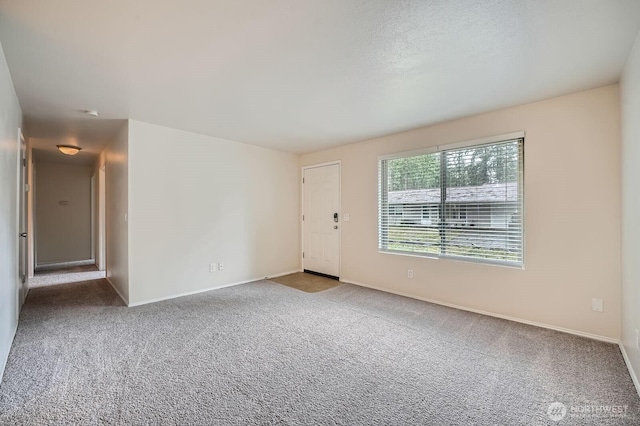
(59, 265)
(492, 314)
(283, 274)
(5, 357)
(126, 302)
(204, 290)
(632, 373)
(634, 378)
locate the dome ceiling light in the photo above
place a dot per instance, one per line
(69, 149)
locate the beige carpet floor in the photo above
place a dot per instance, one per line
(267, 354)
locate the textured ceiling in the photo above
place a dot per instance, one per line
(300, 75)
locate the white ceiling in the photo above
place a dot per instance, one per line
(300, 75)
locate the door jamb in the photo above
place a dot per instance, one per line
(21, 224)
(93, 216)
(101, 255)
(315, 166)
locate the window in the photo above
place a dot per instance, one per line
(462, 201)
(395, 210)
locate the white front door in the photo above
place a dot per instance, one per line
(321, 215)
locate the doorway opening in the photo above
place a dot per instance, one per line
(68, 220)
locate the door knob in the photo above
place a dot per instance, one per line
(23, 234)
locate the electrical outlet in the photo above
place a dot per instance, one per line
(212, 267)
(410, 273)
(597, 305)
(220, 266)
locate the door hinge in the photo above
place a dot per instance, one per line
(302, 217)
(303, 255)
(302, 180)
(24, 162)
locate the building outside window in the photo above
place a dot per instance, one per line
(463, 202)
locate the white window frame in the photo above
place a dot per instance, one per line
(447, 147)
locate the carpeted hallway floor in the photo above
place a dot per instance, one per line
(264, 353)
(65, 275)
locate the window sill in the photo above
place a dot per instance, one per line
(489, 262)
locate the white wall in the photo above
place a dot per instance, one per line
(115, 158)
(195, 199)
(10, 121)
(31, 260)
(572, 216)
(630, 100)
(63, 231)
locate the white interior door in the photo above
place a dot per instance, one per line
(321, 215)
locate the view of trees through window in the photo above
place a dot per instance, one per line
(480, 215)
(419, 172)
(464, 167)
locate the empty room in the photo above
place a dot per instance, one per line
(356, 212)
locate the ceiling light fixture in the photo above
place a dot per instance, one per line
(69, 149)
(91, 112)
